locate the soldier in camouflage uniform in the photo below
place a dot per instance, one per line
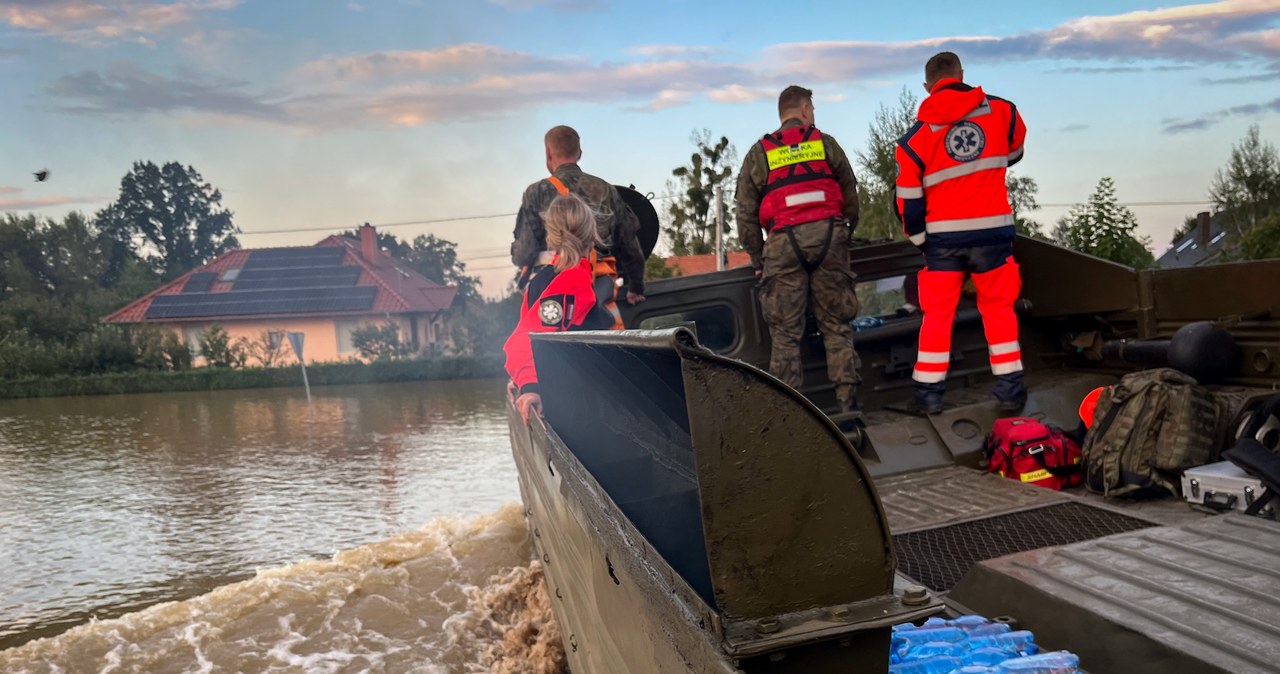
(617, 225)
(797, 185)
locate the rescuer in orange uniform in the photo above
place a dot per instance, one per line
(952, 199)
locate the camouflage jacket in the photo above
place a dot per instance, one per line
(617, 225)
(754, 175)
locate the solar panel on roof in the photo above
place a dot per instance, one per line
(261, 302)
(319, 256)
(200, 282)
(297, 277)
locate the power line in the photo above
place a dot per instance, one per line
(465, 218)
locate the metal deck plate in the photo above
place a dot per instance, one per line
(1203, 597)
(939, 557)
(955, 494)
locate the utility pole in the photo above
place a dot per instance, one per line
(719, 228)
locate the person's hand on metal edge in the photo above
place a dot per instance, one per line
(527, 403)
(511, 389)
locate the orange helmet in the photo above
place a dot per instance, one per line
(1087, 406)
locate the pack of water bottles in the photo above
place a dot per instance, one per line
(972, 645)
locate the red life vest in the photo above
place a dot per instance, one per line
(801, 187)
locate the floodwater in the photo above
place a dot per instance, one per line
(377, 530)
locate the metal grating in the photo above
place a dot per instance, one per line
(938, 558)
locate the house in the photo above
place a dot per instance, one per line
(688, 265)
(324, 291)
(1206, 244)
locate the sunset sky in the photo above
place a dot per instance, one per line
(319, 114)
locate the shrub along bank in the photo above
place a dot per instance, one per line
(214, 378)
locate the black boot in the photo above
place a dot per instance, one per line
(928, 397)
(1010, 392)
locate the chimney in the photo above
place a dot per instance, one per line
(369, 243)
(1202, 230)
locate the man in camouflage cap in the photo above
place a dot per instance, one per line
(796, 184)
(617, 225)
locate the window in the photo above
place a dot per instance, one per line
(345, 328)
(230, 275)
(191, 335)
(716, 326)
(883, 297)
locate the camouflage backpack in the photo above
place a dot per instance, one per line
(1147, 430)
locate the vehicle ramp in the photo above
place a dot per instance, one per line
(693, 513)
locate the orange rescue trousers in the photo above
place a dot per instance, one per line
(940, 293)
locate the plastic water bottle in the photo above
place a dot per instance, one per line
(933, 649)
(987, 630)
(906, 640)
(967, 622)
(974, 669)
(1017, 643)
(1058, 662)
(939, 665)
(987, 656)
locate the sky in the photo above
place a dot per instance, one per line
(323, 114)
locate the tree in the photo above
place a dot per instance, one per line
(1262, 242)
(1247, 189)
(691, 214)
(219, 350)
(879, 174)
(656, 267)
(1103, 228)
(268, 349)
(380, 342)
(168, 212)
(1022, 199)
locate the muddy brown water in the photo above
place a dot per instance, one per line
(377, 530)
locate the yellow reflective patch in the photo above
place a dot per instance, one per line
(810, 150)
(1036, 475)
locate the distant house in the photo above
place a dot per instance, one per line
(1206, 244)
(689, 265)
(324, 291)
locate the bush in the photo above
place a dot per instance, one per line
(380, 342)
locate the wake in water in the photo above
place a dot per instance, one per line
(455, 596)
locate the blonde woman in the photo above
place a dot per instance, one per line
(559, 297)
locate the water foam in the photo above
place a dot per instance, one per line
(456, 595)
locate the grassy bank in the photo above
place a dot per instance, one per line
(206, 379)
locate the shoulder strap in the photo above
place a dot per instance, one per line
(559, 185)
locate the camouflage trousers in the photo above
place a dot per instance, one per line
(787, 289)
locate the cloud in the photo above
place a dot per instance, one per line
(9, 189)
(736, 93)
(458, 61)
(1223, 32)
(472, 81)
(1210, 119)
(129, 90)
(1073, 128)
(99, 22)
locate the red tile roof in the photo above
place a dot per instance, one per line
(400, 289)
(702, 264)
